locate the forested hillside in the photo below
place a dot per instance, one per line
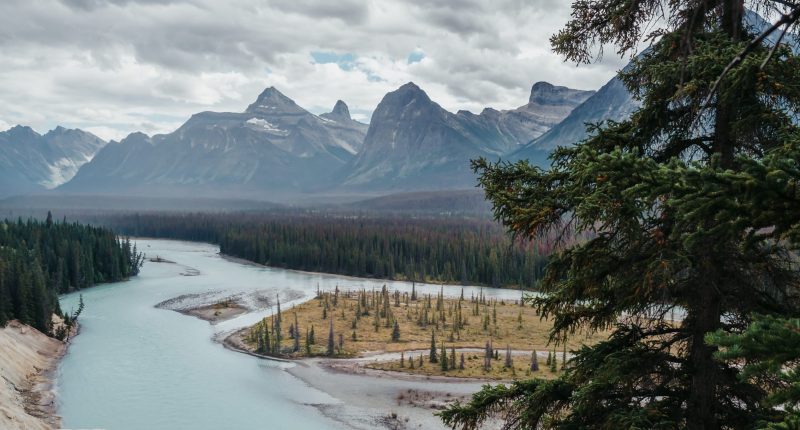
(468, 251)
(41, 259)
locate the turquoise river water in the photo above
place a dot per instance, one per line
(135, 366)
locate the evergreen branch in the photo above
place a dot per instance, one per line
(774, 48)
(786, 19)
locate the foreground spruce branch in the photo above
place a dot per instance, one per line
(692, 206)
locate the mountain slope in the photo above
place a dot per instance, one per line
(612, 102)
(349, 131)
(30, 162)
(274, 146)
(547, 106)
(414, 144)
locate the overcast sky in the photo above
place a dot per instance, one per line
(117, 66)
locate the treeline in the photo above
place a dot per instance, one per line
(41, 259)
(453, 250)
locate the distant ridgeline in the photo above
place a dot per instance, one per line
(41, 259)
(463, 251)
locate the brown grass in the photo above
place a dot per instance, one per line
(473, 367)
(509, 325)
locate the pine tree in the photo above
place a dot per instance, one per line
(534, 362)
(461, 362)
(296, 347)
(396, 332)
(509, 362)
(402, 360)
(452, 357)
(680, 206)
(487, 357)
(443, 359)
(78, 311)
(770, 347)
(277, 319)
(330, 339)
(432, 355)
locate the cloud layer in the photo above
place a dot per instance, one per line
(118, 66)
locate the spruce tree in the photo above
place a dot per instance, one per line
(443, 359)
(534, 362)
(330, 339)
(770, 349)
(396, 332)
(432, 354)
(690, 204)
(296, 334)
(487, 357)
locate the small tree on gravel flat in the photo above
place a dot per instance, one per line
(396, 332)
(432, 356)
(443, 360)
(330, 339)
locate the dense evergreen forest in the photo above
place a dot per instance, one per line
(41, 259)
(460, 250)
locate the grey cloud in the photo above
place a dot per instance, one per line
(349, 11)
(170, 58)
(94, 4)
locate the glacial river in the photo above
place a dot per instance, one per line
(135, 366)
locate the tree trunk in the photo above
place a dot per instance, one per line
(705, 313)
(705, 308)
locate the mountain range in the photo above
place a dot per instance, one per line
(31, 162)
(275, 148)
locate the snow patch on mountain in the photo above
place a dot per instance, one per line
(267, 126)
